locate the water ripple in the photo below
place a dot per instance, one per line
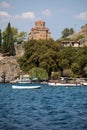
(48, 108)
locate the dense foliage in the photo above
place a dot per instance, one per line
(38, 73)
(52, 57)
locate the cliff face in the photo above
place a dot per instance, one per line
(9, 67)
(83, 31)
(19, 50)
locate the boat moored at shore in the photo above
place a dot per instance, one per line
(63, 84)
(84, 83)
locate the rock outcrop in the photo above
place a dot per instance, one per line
(19, 49)
(9, 68)
(82, 32)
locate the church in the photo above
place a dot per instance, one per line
(39, 31)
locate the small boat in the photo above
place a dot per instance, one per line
(84, 83)
(20, 81)
(24, 80)
(25, 87)
(63, 84)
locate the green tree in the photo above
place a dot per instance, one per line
(75, 69)
(15, 33)
(82, 58)
(71, 31)
(63, 64)
(40, 73)
(85, 71)
(55, 75)
(8, 42)
(67, 73)
(66, 32)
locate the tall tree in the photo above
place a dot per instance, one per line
(8, 41)
(66, 32)
(18, 37)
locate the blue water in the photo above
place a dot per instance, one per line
(48, 108)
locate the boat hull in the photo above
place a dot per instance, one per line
(24, 82)
(84, 83)
(25, 87)
(63, 84)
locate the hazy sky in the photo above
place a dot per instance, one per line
(58, 14)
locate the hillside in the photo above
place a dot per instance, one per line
(82, 32)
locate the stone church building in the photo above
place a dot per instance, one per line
(39, 31)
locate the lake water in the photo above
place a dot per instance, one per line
(47, 108)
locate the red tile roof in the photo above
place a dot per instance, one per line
(40, 21)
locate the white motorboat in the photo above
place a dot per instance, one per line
(26, 87)
(62, 84)
(21, 81)
(24, 81)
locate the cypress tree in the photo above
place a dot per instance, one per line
(8, 43)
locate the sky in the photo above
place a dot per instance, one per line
(57, 14)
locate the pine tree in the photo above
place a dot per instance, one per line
(8, 42)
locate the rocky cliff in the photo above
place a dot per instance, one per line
(9, 67)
